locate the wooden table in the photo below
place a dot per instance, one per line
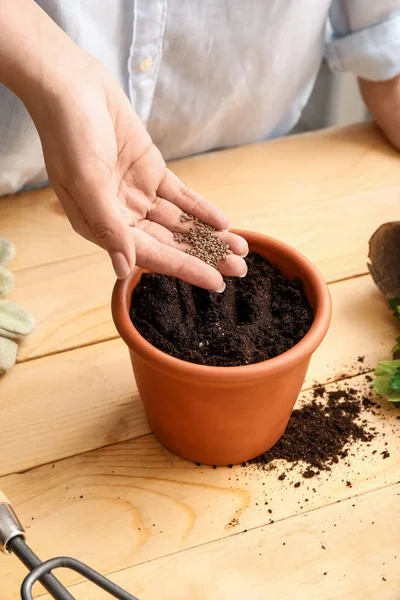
(76, 455)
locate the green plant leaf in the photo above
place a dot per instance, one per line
(387, 373)
(396, 349)
(394, 304)
(394, 397)
(387, 367)
(381, 385)
(395, 382)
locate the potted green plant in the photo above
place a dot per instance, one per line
(384, 254)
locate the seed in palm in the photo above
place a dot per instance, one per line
(203, 241)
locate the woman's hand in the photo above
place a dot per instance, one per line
(114, 185)
(110, 178)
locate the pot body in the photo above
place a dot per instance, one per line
(224, 415)
(217, 423)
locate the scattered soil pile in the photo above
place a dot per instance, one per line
(320, 433)
(257, 317)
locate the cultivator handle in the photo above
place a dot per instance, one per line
(12, 541)
(10, 526)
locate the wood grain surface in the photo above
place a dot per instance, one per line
(78, 461)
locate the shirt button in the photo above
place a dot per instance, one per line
(145, 65)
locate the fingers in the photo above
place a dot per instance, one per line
(104, 227)
(155, 248)
(237, 244)
(160, 258)
(233, 266)
(173, 190)
(167, 214)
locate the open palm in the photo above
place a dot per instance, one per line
(116, 189)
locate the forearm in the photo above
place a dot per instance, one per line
(34, 51)
(383, 101)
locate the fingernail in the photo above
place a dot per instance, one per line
(120, 264)
(244, 274)
(223, 219)
(222, 288)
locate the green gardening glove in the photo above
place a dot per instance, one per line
(6, 281)
(8, 354)
(15, 321)
(7, 253)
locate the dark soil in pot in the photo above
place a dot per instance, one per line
(257, 318)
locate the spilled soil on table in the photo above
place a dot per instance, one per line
(321, 432)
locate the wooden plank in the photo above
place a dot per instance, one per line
(133, 502)
(70, 301)
(92, 391)
(68, 403)
(347, 551)
(35, 222)
(308, 190)
(362, 327)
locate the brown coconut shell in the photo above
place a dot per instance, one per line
(384, 256)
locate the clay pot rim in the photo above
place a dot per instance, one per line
(120, 304)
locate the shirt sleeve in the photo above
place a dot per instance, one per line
(365, 38)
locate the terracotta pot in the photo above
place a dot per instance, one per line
(224, 415)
